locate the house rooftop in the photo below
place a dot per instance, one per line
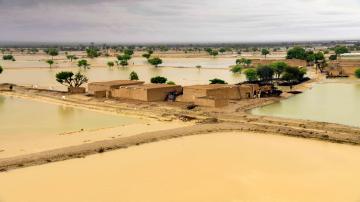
(149, 86)
(210, 86)
(117, 83)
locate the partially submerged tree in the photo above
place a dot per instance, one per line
(293, 74)
(357, 73)
(244, 61)
(279, 68)
(265, 73)
(251, 74)
(128, 52)
(236, 69)
(9, 57)
(217, 81)
(296, 53)
(70, 79)
(50, 62)
(71, 57)
(214, 53)
(124, 63)
(134, 76)
(333, 57)
(158, 79)
(341, 50)
(84, 64)
(92, 52)
(155, 61)
(110, 64)
(265, 52)
(52, 52)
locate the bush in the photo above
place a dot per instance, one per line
(155, 61)
(124, 63)
(171, 83)
(357, 73)
(236, 69)
(217, 81)
(1, 69)
(124, 57)
(8, 57)
(134, 76)
(158, 79)
(92, 52)
(110, 64)
(83, 63)
(333, 57)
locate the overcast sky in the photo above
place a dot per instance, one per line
(178, 20)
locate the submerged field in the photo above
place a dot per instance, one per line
(334, 102)
(214, 167)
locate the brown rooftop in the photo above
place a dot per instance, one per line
(149, 86)
(117, 83)
(211, 86)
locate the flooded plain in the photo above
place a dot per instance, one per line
(224, 167)
(335, 102)
(38, 74)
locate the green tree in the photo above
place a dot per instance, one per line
(92, 52)
(84, 64)
(146, 55)
(110, 64)
(124, 63)
(214, 53)
(158, 79)
(70, 79)
(341, 50)
(279, 68)
(52, 52)
(293, 74)
(134, 76)
(71, 57)
(357, 73)
(265, 72)
(155, 61)
(128, 52)
(333, 57)
(50, 62)
(265, 52)
(236, 69)
(222, 50)
(244, 61)
(217, 81)
(296, 53)
(251, 74)
(124, 57)
(9, 57)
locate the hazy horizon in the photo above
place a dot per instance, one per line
(161, 21)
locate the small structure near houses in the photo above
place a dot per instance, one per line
(103, 89)
(146, 92)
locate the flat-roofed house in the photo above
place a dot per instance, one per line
(103, 89)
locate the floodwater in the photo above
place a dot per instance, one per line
(42, 76)
(334, 102)
(22, 118)
(227, 167)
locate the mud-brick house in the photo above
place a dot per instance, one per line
(103, 89)
(216, 95)
(145, 92)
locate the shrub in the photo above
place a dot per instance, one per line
(357, 73)
(236, 69)
(217, 81)
(1, 69)
(333, 57)
(110, 64)
(134, 76)
(92, 52)
(8, 57)
(158, 79)
(50, 62)
(146, 55)
(83, 63)
(124, 63)
(124, 57)
(155, 61)
(171, 83)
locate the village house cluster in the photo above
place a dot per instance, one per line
(212, 95)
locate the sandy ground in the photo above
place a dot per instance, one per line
(215, 167)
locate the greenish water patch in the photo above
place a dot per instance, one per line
(334, 102)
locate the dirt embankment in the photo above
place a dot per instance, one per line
(209, 120)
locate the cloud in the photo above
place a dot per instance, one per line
(178, 21)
